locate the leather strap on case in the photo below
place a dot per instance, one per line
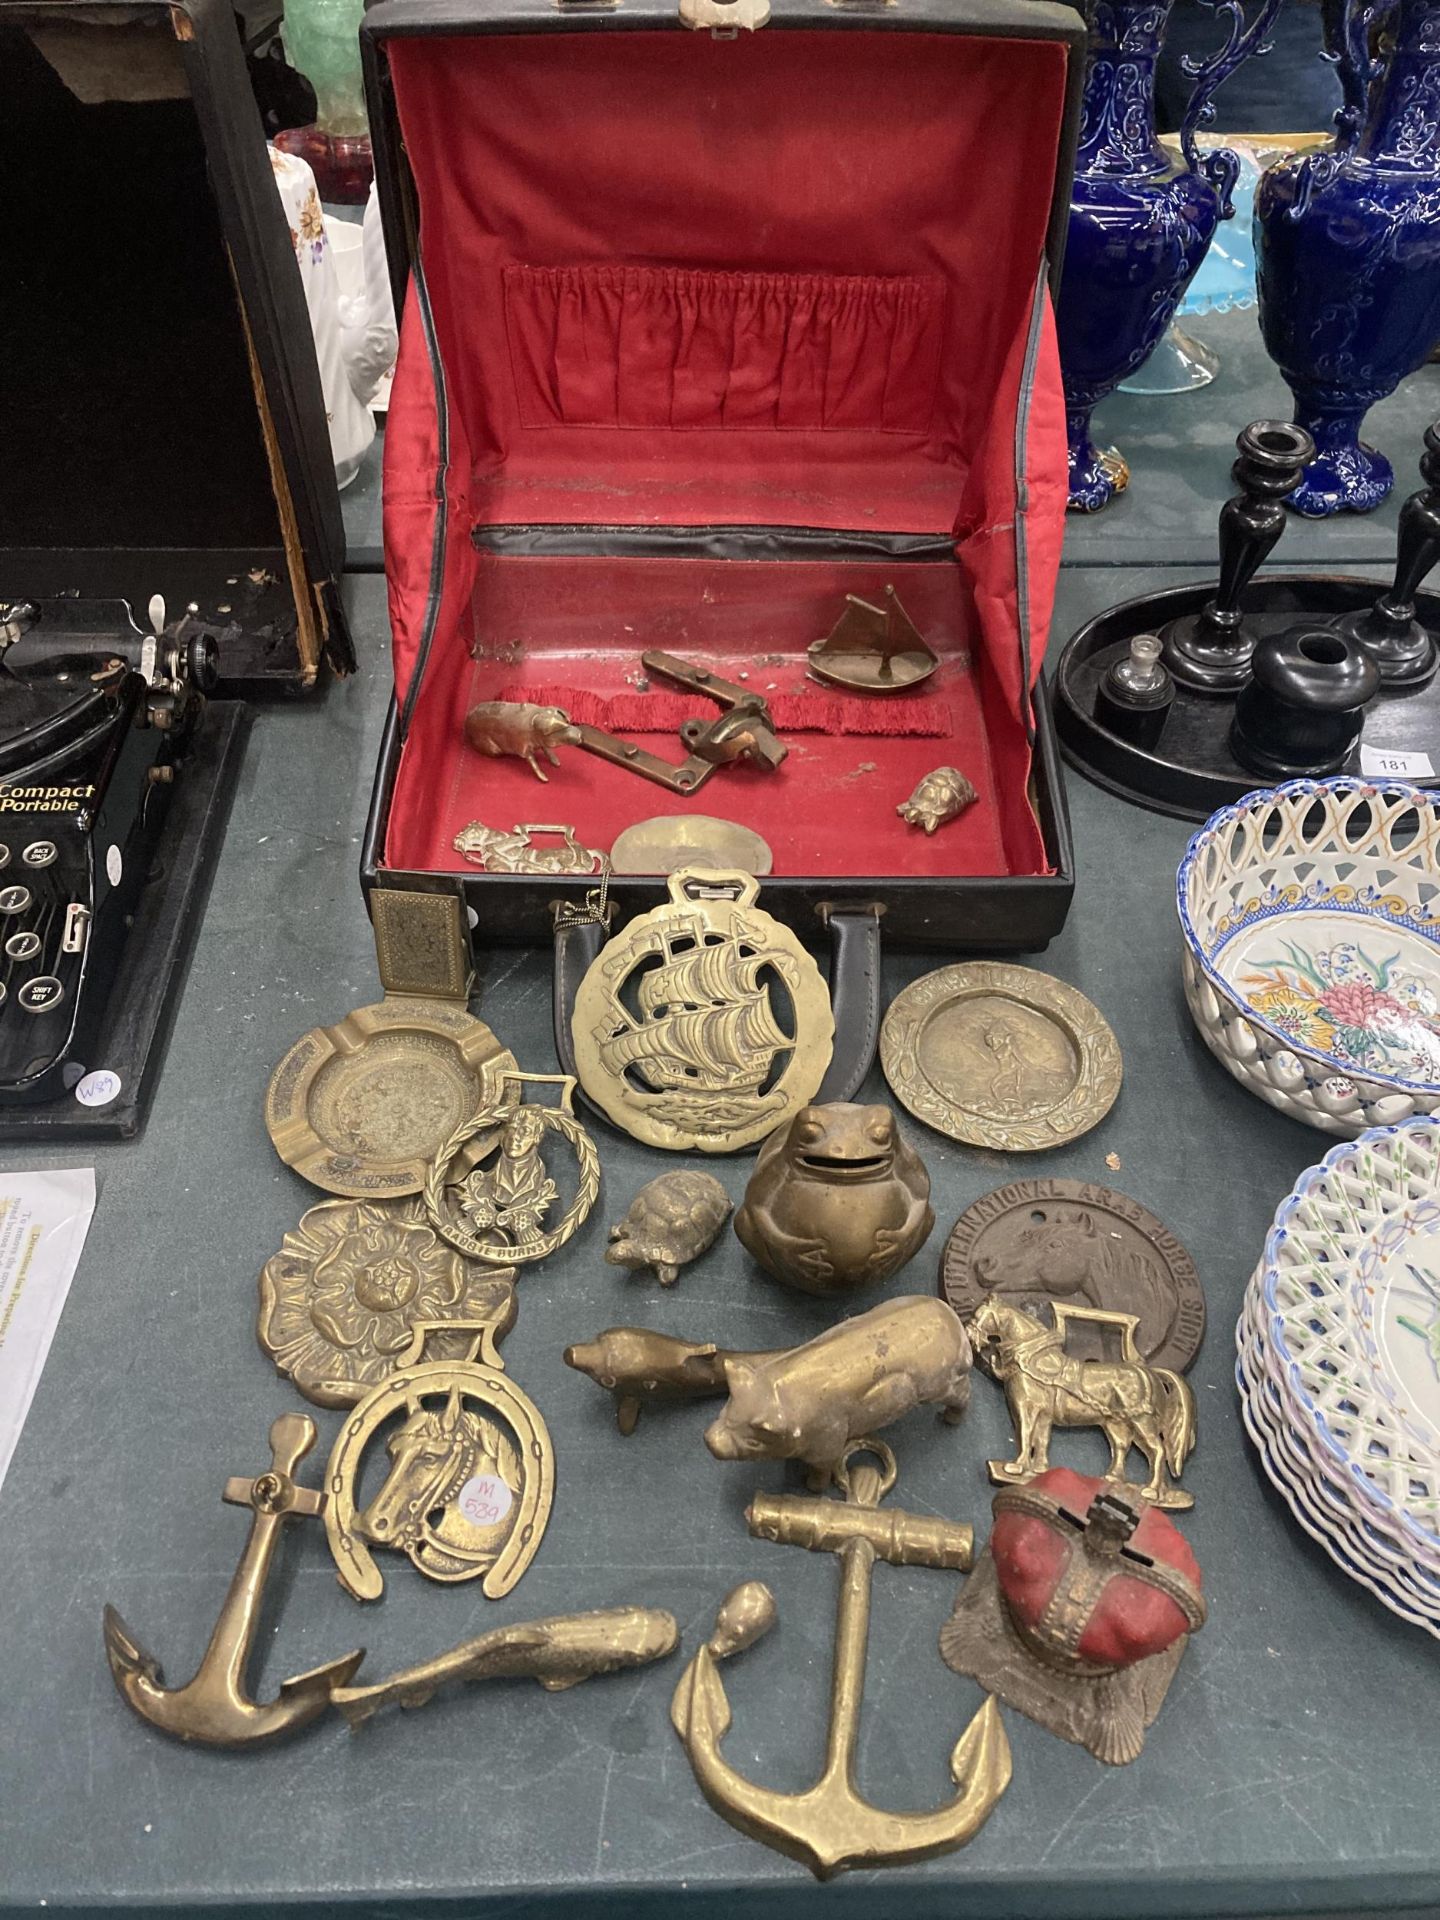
(854, 990)
(854, 997)
(577, 945)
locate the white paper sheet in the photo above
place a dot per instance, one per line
(44, 1218)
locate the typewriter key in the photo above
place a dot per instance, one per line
(41, 994)
(23, 946)
(39, 853)
(14, 899)
(4, 855)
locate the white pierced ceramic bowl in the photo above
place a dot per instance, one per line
(1310, 915)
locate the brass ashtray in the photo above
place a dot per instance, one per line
(362, 1108)
(1000, 1056)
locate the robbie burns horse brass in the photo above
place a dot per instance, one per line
(683, 1055)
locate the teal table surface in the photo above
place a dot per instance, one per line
(1293, 1768)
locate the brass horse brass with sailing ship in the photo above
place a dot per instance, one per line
(681, 1037)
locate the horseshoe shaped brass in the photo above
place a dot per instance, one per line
(493, 1490)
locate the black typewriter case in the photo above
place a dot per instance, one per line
(164, 434)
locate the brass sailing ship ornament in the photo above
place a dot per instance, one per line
(829, 1826)
(874, 649)
(472, 1472)
(506, 1195)
(685, 1015)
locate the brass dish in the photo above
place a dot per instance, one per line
(361, 1108)
(676, 1037)
(1000, 1056)
(672, 841)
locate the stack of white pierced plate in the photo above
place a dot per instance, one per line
(1339, 1362)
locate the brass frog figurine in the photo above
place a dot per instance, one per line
(838, 1200)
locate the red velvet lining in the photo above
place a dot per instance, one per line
(825, 155)
(784, 281)
(829, 809)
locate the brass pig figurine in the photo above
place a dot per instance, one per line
(838, 1201)
(940, 797)
(812, 1402)
(641, 1367)
(498, 727)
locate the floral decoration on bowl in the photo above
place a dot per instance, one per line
(1310, 915)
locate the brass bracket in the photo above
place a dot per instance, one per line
(744, 731)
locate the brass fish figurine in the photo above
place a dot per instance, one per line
(559, 1652)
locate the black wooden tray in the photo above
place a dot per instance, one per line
(1191, 772)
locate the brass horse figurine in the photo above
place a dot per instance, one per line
(1136, 1405)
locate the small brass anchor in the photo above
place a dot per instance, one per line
(830, 1827)
(214, 1709)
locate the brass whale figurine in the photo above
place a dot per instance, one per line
(558, 1652)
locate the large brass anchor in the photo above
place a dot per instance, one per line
(830, 1827)
(214, 1709)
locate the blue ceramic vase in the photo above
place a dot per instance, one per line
(1347, 247)
(1140, 219)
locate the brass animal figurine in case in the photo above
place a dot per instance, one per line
(942, 796)
(214, 1709)
(559, 1653)
(816, 1402)
(838, 1201)
(1079, 1611)
(517, 727)
(829, 1826)
(670, 1222)
(1135, 1405)
(641, 1367)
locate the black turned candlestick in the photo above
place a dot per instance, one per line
(1389, 632)
(1211, 650)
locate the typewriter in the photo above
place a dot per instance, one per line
(94, 716)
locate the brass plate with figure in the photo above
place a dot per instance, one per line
(1041, 1243)
(361, 1108)
(489, 1191)
(1000, 1056)
(704, 1024)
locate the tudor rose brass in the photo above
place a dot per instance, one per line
(214, 1709)
(677, 1030)
(829, 1826)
